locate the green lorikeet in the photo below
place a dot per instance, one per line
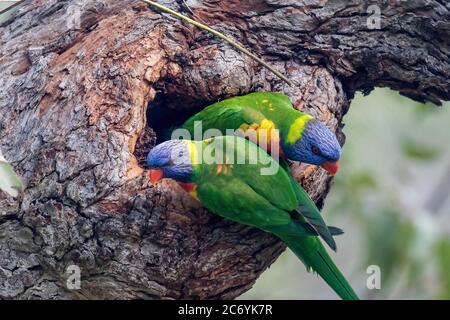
(226, 174)
(299, 136)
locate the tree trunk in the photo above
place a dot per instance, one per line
(84, 82)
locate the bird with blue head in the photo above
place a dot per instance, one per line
(317, 145)
(170, 159)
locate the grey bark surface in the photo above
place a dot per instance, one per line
(75, 100)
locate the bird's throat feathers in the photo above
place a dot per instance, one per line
(193, 154)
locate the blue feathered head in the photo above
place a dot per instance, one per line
(316, 145)
(170, 159)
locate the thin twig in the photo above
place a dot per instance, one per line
(11, 7)
(219, 35)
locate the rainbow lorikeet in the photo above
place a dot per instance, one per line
(226, 175)
(300, 137)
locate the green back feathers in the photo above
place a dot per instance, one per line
(250, 109)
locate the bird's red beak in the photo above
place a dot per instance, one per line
(155, 175)
(331, 167)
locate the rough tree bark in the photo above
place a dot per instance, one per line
(75, 101)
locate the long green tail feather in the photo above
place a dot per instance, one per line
(313, 254)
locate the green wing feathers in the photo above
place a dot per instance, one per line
(214, 117)
(233, 199)
(249, 109)
(9, 180)
(238, 191)
(307, 209)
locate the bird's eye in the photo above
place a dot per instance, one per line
(180, 154)
(315, 150)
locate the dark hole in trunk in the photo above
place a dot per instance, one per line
(167, 113)
(164, 114)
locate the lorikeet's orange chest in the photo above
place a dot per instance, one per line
(190, 188)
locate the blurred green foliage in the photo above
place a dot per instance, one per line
(442, 252)
(418, 151)
(389, 236)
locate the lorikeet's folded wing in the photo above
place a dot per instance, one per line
(249, 109)
(309, 211)
(235, 200)
(274, 185)
(242, 192)
(278, 188)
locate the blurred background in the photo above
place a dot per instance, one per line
(392, 198)
(4, 4)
